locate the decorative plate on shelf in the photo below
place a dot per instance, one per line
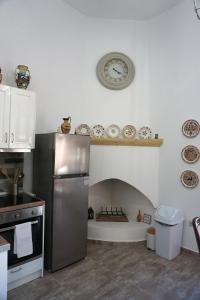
(145, 133)
(113, 131)
(189, 179)
(129, 131)
(190, 154)
(98, 131)
(83, 129)
(190, 128)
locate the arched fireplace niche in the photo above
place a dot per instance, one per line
(114, 193)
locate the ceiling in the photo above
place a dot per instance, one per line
(123, 9)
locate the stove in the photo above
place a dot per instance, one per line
(12, 200)
(15, 210)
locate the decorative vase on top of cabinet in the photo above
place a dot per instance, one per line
(17, 119)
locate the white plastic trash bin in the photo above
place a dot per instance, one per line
(169, 228)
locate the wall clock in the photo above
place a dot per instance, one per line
(115, 71)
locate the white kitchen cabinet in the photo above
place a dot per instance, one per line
(17, 118)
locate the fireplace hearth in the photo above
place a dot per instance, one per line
(116, 205)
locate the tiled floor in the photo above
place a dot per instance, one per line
(119, 272)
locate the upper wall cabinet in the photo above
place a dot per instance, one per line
(17, 118)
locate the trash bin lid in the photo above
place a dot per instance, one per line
(168, 215)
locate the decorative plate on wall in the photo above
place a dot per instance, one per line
(129, 131)
(83, 129)
(189, 179)
(98, 131)
(190, 154)
(113, 131)
(190, 128)
(145, 133)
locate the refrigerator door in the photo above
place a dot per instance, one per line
(70, 206)
(71, 154)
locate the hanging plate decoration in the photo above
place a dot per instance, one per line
(189, 179)
(129, 131)
(145, 133)
(113, 131)
(83, 129)
(190, 128)
(98, 131)
(190, 154)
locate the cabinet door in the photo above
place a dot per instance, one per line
(4, 116)
(22, 119)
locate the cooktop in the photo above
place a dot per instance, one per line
(11, 200)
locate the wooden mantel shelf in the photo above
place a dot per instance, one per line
(127, 142)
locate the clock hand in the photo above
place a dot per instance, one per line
(118, 72)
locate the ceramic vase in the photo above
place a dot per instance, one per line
(22, 76)
(139, 216)
(66, 125)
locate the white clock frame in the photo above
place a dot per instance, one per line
(115, 83)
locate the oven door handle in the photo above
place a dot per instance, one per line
(13, 227)
(16, 270)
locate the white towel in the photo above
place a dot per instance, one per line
(23, 244)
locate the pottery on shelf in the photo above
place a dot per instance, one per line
(66, 125)
(22, 76)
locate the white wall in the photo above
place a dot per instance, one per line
(137, 166)
(100, 195)
(174, 43)
(130, 199)
(48, 36)
(104, 106)
(62, 48)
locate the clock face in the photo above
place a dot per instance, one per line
(115, 70)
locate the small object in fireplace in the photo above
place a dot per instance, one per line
(147, 218)
(112, 215)
(90, 213)
(139, 216)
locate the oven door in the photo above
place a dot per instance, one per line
(7, 232)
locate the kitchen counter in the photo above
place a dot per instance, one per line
(11, 202)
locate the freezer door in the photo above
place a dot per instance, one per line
(70, 206)
(71, 154)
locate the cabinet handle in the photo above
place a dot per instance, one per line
(17, 270)
(6, 137)
(12, 137)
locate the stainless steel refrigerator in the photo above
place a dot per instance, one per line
(61, 178)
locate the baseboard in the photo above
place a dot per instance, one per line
(188, 250)
(100, 242)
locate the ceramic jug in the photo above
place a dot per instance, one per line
(66, 125)
(22, 76)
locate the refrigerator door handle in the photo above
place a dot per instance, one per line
(69, 176)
